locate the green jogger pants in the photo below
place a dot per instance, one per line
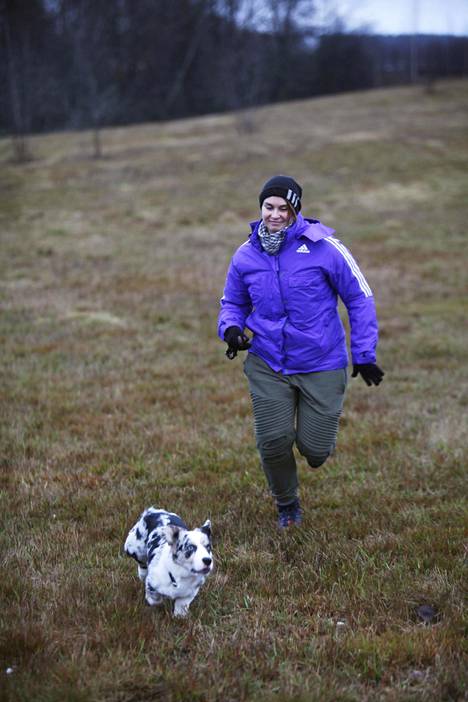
(304, 409)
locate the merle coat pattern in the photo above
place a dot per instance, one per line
(173, 561)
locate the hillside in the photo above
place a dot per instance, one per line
(116, 394)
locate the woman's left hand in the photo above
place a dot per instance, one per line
(370, 372)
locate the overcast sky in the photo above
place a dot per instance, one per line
(404, 16)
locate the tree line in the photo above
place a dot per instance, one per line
(92, 63)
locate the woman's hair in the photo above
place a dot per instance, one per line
(292, 211)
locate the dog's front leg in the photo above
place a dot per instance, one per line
(152, 596)
(181, 606)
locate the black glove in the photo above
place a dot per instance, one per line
(371, 373)
(236, 341)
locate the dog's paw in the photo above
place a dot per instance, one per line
(152, 600)
(180, 611)
(152, 596)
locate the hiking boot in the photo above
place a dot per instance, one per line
(289, 514)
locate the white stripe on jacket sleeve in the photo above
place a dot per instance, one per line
(363, 284)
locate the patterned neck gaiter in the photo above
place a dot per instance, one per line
(271, 242)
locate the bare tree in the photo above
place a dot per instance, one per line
(88, 23)
(195, 39)
(289, 22)
(18, 62)
(242, 77)
(414, 59)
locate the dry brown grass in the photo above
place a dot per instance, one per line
(116, 394)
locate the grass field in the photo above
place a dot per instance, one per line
(116, 394)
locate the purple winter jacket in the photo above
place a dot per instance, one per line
(289, 301)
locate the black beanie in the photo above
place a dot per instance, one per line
(285, 187)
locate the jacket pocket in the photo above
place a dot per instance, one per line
(304, 298)
(307, 281)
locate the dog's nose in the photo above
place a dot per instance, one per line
(206, 561)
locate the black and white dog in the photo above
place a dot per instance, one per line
(173, 561)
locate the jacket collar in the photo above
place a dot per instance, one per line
(313, 229)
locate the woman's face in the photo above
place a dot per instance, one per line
(275, 213)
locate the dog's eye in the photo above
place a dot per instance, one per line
(189, 550)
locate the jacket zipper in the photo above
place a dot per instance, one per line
(277, 271)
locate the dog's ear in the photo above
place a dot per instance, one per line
(206, 528)
(171, 533)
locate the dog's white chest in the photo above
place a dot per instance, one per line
(169, 581)
(177, 589)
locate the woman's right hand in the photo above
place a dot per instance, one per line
(236, 341)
